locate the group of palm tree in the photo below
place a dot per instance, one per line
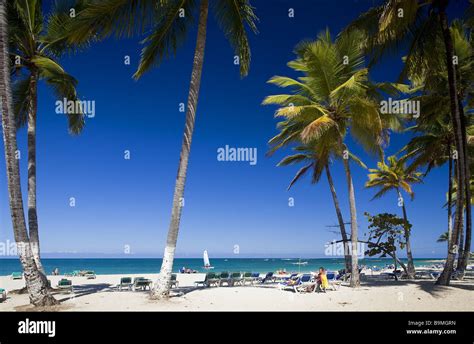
(36, 42)
(334, 97)
(333, 100)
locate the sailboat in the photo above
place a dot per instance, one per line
(207, 263)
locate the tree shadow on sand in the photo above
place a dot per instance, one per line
(181, 291)
(83, 290)
(426, 285)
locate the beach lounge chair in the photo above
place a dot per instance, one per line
(247, 278)
(299, 285)
(224, 277)
(89, 274)
(292, 276)
(255, 277)
(17, 275)
(237, 278)
(174, 282)
(251, 277)
(268, 278)
(65, 285)
(209, 280)
(333, 281)
(125, 282)
(141, 283)
(3, 295)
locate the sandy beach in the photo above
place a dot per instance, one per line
(374, 294)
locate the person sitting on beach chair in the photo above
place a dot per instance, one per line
(321, 282)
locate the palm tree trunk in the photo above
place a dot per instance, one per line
(410, 264)
(163, 285)
(462, 264)
(32, 212)
(355, 279)
(35, 280)
(461, 245)
(340, 219)
(450, 196)
(445, 276)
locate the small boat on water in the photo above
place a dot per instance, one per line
(207, 262)
(300, 263)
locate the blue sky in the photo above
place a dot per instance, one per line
(128, 202)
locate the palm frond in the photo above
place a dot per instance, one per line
(233, 17)
(167, 35)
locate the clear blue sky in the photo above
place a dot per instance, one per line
(128, 202)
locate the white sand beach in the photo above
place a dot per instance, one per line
(101, 294)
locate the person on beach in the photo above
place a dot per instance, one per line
(322, 280)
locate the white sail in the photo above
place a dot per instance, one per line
(207, 263)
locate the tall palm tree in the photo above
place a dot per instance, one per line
(168, 21)
(462, 242)
(418, 23)
(38, 46)
(395, 176)
(333, 94)
(437, 140)
(35, 281)
(433, 146)
(316, 159)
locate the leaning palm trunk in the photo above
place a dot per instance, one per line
(410, 264)
(35, 280)
(355, 280)
(163, 286)
(32, 212)
(340, 219)
(445, 276)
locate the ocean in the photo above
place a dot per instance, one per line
(120, 266)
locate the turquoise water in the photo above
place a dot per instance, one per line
(150, 265)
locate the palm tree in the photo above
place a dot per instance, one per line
(35, 281)
(436, 145)
(316, 159)
(168, 22)
(443, 237)
(463, 242)
(395, 176)
(419, 23)
(333, 94)
(38, 48)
